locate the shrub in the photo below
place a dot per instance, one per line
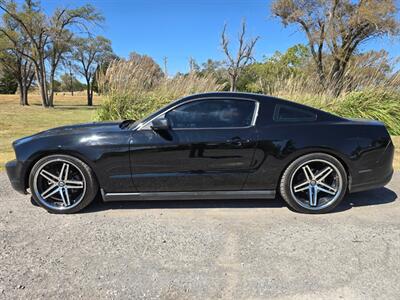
(375, 104)
(371, 104)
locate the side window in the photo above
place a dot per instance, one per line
(284, 113)
(212, 114)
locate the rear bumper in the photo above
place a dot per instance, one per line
(376, 174)
(14, 172)
(377, 183)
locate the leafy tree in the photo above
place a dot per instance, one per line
(11, 59)
(264, 76)
(69, 83)
(337, 28)
(90, 54)
(8, 83)
(48, 37)
(216, 69)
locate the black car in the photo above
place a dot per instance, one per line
(207, 146)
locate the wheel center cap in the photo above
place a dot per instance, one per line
(313, 182)
(61, 184)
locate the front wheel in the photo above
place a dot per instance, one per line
(62, 184)
(314, 183)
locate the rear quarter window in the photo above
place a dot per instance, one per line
(285, 113)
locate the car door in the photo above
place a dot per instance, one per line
(209, 146)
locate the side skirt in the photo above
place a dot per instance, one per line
(204, 195)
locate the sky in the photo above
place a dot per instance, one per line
(179, 29)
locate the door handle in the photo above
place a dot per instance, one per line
(236, 141)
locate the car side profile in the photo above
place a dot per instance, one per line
(220, 145)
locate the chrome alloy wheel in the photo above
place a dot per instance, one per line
(316, 184)
(59, 184)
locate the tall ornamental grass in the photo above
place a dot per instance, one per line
(133, 89)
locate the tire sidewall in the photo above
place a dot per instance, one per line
(285, 188)
(91, 183)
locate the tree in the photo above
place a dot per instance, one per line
(244, 56)
(337, 28)
(8, 83)
(90, 53)
(266, 76)
(68, 83)
(11, 59)
(48, 37)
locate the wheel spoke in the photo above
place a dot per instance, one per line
(67, 196)
(326, 191)
(66, 172)
(310, 194)
(50, 177)
(328, 187)
(323, 174)
(301, 187)
(63, 197)
(315, 196)
(61, 176)
(307, 171)
(50, 191)
(74, 184)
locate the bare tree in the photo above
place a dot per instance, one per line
(337, 28)
(90, 53)
(244, 56)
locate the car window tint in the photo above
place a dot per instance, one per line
(291, 114)
(212, 114)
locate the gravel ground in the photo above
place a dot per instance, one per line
(201, 249)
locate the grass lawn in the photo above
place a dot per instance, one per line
(17, 121)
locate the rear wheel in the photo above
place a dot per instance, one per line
(62, 184)
(314, 183)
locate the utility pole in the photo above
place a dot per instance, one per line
(191, 65)
(165, 59)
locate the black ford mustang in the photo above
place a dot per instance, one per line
(207, 146)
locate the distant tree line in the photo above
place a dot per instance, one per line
(53, 51)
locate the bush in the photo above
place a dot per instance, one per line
(375, 104)
(378, 105)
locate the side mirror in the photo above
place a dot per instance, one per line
(160, 124)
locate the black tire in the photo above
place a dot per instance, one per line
(287, 191)
(87, 195)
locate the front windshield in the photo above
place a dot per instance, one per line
(154, 114)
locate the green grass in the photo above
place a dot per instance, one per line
(17, 121)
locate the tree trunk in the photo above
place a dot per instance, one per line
(23, 100)
(233, 83)
(51, 87)
(337, 77)
(41, 83)
(25, 95)
(89, 93)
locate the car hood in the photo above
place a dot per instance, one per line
(81, 128)
(93, 127)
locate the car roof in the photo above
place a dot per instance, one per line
(258, 97)
(227, 94)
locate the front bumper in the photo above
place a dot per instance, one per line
(15, 174)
